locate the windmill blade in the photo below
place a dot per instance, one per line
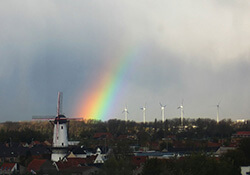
(59, 103)
(47, 117)
(161, 104)
(80, 119)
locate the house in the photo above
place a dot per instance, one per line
(138, 162)
(41, 166)
(76, 165)
(100, 158)
(47, 143)
(245, 170)
(80, 152)
(81, 170)
(242, 134)
(223, 150)
(40, 151)
(8, 168)
(12, 154)
(74, 162)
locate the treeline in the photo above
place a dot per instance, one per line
(142, 132)
(196, 164)
(26, 135)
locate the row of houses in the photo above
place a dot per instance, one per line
(81, 160)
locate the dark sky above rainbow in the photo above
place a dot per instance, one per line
(105, 55)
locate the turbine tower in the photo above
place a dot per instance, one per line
(144, 113)
(162, 112)
(125, 111)
(218, 110)
(60, 134)
(181, 107)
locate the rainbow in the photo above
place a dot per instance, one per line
(96, 102)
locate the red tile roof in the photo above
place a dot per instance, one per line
(138, 160)
(243, 133)
(70, 162)
(75, 162)
(213, 144)
(7, 166)
(36, 164)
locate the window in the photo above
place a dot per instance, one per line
(61, 127)
(62, 144)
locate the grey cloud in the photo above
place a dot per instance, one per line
(196, 50)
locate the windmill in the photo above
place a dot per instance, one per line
(162, 112)
(181, 107)
(60, 134)
(218, 110)
(144, 113)
(125, 111)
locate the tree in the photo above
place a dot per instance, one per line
(154, 166)
(244, 147)
(114, 166)
(196, 164)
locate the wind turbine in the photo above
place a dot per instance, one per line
(162, 112)
(125, 111)
(218, 110)
(144, 113)
(181, 107)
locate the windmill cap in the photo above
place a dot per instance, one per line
(61, 119)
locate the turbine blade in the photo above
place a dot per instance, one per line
(219, 102)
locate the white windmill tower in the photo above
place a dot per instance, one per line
(60, 134)
(125, 111)
(163, 112)
(144, 113)
(181, 107)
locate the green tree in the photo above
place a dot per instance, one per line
(154, 166)
(114, 166)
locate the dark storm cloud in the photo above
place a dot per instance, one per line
(197, 50)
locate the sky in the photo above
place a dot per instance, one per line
(195, 51)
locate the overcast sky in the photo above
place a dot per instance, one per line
(197, 50)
